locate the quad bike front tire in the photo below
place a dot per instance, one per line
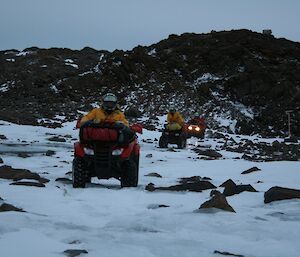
(130, 173)
(163, 142)
(181, 143)
(79, 175)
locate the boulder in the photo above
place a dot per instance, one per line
(50, 153)
(57, 139)
(217, 201)
(3, 137)
(209, 153)
(280, 193)
(1, 161)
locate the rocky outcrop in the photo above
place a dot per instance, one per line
(8, 207)
(238, 75)
(281, 193)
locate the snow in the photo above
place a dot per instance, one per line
(7, 86)
(11, 60)
(23, 53)
(152, 52)
(54, 88)
(109, 221)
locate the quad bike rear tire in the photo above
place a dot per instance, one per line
(163, 142)
(79, 174)
(130, 173)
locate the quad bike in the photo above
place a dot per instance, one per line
(106, 151)
(173, 137)
(196, 127)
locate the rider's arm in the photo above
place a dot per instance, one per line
(90, 116)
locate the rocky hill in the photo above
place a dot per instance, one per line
(241, 81)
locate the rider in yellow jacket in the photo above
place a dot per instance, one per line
(174, 118)
(109, 112)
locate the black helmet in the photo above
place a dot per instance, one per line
(109, 102)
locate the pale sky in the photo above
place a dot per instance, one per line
(124, 24)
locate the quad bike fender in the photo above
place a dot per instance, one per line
(79, 151)
(128, 150)
(136, 149)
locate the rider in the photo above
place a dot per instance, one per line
(109, 112)
(174, 118)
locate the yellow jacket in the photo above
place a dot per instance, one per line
(175, 118)
(98, 115)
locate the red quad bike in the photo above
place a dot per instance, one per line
(196, 127)
(173, 137)
(106, 151)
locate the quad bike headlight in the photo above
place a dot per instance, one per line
(197, 129)
(117, 151)
(88, 151)
(190, 128)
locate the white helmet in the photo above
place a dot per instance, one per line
(109, 102)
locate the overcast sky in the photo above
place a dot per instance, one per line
(124, 24)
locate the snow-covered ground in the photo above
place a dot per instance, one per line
(108, 221)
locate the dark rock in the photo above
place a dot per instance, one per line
(3, 137)
(291, 139)
(28, 183)
(228, 183)
(133, 112)
(281, 193)
(153, 174)
(231, 188)
(68, 173)
(8, 207)
(50, 153)
(150, 187)
(57, 139)
(228, 254)
(23, 155)
(74, 252)
(189, 179)
(43, 180)
(64, 180)
(217, 201)
(149, 155)
(208, 152)
(1, 161)
(156, 206)
(7, 172)
(253, 169)
(196, 186)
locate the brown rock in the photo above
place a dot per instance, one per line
(281, 193)
(74, 252)
(7, 172)
(8, 207)
(217, 201)
(228, 254)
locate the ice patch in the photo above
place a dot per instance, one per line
(10, 60)
(152, 52)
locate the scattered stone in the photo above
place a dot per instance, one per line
(150, 187)
(189, 179)
(280, 193)
(1, 161)
(50, 153)
(153, 174)
(23, 155)
(228, 254)
(149, 155)
(64, 180)
(28, 183)
(218, 201)
(156, 206)
(208, 152)
(231, 188)
(196, 186)
(253, 169)
(8, 207)
(75, 242)
(291, 139)
(74, 252)
(3, 137)
(68, 173)
(7, 172)
(57, 139)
